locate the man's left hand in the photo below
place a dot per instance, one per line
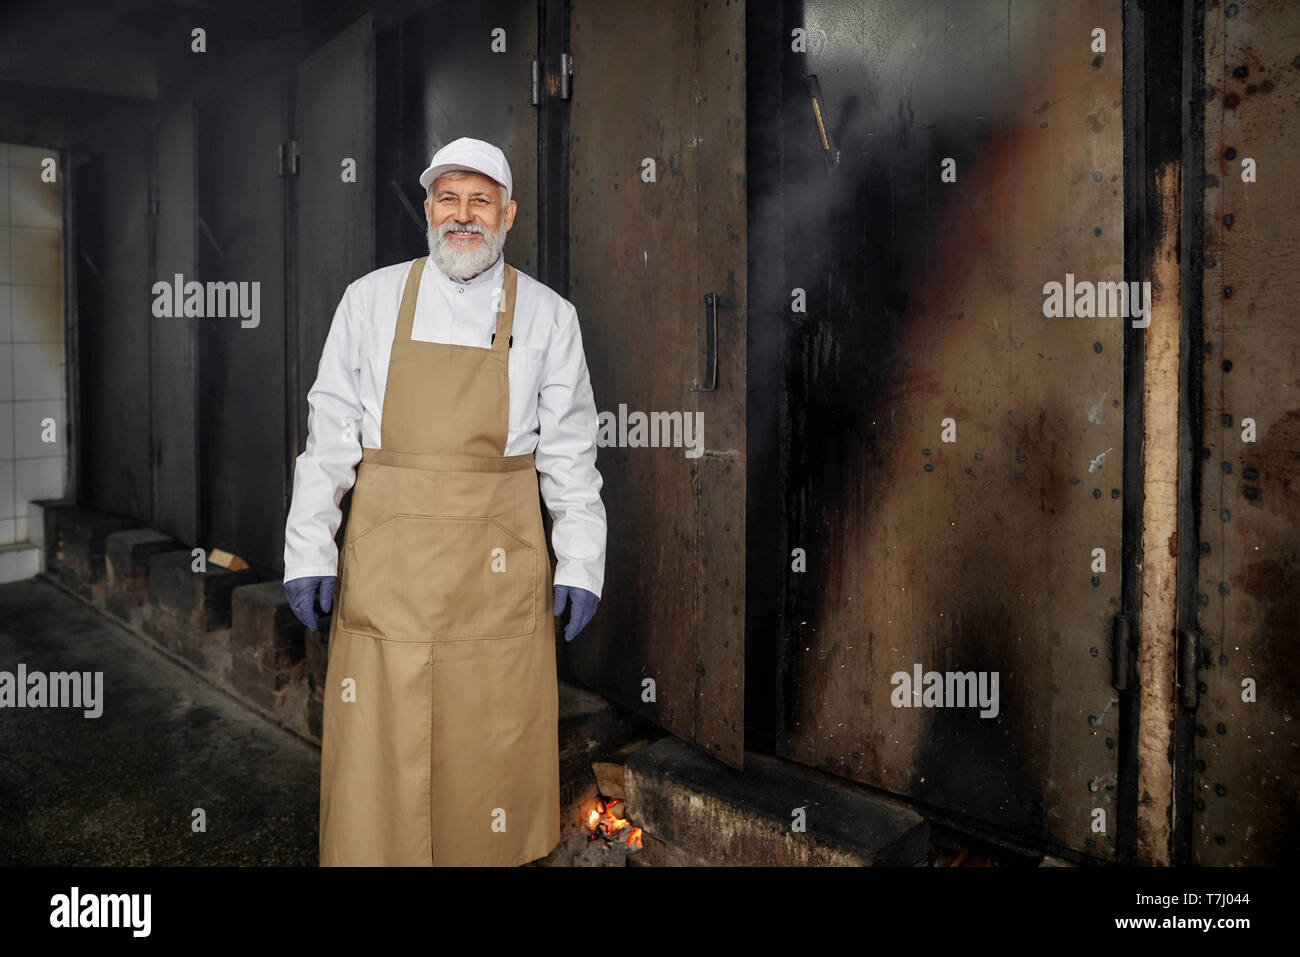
(583, 606)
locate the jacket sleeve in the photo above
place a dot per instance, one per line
(326, 469)
(566, 460)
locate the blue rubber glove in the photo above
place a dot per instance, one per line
(302, 592)
(583, 607)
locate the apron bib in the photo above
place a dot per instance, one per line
(440, 737)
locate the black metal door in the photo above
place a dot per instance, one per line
(174, 340)
(334, 121)
(114, 276)
(242, 240)
(447, 72)
(944, 459)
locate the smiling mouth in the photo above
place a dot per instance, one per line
(462, 239)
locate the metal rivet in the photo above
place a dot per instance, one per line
(1218, 839)
(1250, 492)
(1203, 598)
(1074, 480)
(1096, 230)
(1220, 790)
(1202, 687)
(1226, 419)
(1110, 742)
(1223, 661)
(1229, 153)
(1227, 468)
(1094, 652)
(1227, 365)
(1226, 515)
(1250, 474)
(1096, 493)
(1096, 347)
(1114, 493)
(1228, 219)
(929, 467)
(979, 456)
(1205, 548)
(1223, 588)
(1200, 804)
(1096, 582)
(925, 451)
(1221, 728)
(1227, 292)
(1096, 176)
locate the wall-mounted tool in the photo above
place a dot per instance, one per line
(829, 152)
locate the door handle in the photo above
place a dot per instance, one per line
(710, 345)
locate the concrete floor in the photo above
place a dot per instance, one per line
(119, 789)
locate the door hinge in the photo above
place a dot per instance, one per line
(288, 158)
(1121, 652)
(1189, 647)
(537, 82)
(566, 71)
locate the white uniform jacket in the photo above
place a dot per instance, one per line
(552, 411)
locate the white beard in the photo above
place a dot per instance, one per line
(464, 263)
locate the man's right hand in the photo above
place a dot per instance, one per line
(302, 593)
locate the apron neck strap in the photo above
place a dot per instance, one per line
(406, 313)
(506, 314)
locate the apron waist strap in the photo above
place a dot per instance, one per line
(448, 462)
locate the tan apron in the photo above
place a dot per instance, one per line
(440, 739)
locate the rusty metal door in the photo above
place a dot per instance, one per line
(1246, 769)
(945, 457)
(657, 227)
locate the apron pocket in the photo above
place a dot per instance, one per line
(427, 578)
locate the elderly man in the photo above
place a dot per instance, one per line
(448, 389)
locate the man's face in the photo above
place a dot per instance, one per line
(467, 223)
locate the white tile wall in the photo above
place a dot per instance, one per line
(32, 386)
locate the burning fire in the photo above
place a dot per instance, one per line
(602, 820)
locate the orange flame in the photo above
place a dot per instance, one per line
(602, 820)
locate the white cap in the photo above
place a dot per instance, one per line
(469, 154)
